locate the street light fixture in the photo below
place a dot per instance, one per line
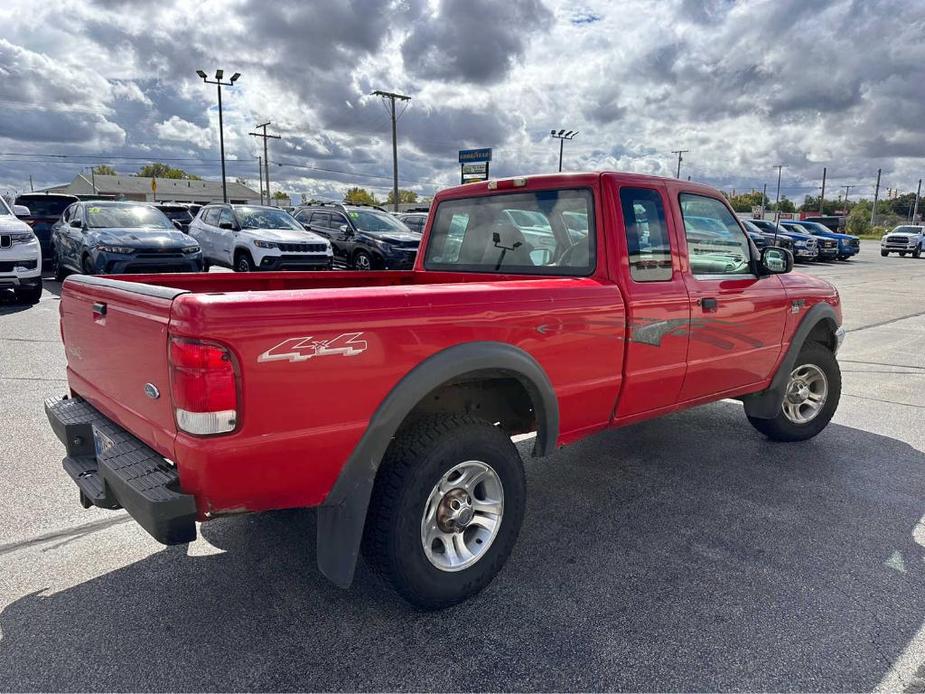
(221, 126)
(562, 136)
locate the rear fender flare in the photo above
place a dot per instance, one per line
(343, 514)
(766, 404)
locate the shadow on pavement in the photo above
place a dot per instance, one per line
(687, 553)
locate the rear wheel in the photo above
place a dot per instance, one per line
(445, 510)
(243, 262)
(810, 399)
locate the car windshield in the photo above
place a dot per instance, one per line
(45, 205)
(373, 222)
(908, 230)
(265, 218)
(5, 208)
(126, 217)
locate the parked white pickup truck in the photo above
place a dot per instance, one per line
(906, 238)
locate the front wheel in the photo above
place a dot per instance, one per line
(58, 267)
(86, 265)
(902, 254)
(362, 261)
(917, 253)
(446, 509)
(884, 253)
(810, 398)
(243, 262)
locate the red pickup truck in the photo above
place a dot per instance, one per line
(556, 304)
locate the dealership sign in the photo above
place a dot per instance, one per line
(473, 164)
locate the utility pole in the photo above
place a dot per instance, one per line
(780, 168)
(266, 159)
(822, 194)
(260, 175)
(31, 187)
(873, 212)
(392, 97)
(764, 196)
(915, 208)
(847, 191)
(562, 136)
(679, 152)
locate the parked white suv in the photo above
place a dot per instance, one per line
(906, 238)
(20, 255)
(253, 237)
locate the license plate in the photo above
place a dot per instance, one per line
(101, 442)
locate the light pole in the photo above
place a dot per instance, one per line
(221, 126)
(562, 136)
(780, 168)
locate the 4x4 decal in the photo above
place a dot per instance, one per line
(304, 348)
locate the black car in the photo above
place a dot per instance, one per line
(364, 237)
(762, 238)
(177, 213)
(44, 210)
(105, 237)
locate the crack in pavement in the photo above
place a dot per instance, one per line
(72, 532)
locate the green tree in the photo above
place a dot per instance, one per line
(744, 202)
(859, 218)
(785, 205)
(407, 196)
(280, 195)
(159, 170)
(360, 196)
(811, 204)
(104, 170)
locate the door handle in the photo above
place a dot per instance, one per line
(708, 304)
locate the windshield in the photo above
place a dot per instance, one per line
(45, 205)
(908, 230)
(265, 218)
(373, 222)
(126, 217)
(5, 208)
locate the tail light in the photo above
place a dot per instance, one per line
(204, 384)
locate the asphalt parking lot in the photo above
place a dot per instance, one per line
(686, 553)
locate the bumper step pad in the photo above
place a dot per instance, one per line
(119, 471)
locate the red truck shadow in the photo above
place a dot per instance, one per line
(687, 553)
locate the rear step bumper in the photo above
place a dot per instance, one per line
(114, 470)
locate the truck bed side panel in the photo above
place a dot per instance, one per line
(305, 413)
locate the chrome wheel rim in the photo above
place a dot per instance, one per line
(362, 262)
(462, 516)
(807, 390)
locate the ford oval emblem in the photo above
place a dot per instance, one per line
(151, 391)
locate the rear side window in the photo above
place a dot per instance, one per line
(44, 205)
(210, 216)
(716, 244)
(521, 233)
(647, 241)
(322, 219)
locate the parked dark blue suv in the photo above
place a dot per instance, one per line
(102, 237)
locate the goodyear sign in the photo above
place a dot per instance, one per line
(471, 156)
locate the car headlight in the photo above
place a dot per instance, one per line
(119, 250)
(22, 237)
(264, 244)
(800, 244)
(189, 250)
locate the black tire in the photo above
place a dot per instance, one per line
(86, 265)
(419, 457)
(243, 262)
(902, 254)
(30, 295)
(362, 261)
(205, 265)
(781, 428)
(884, 253)
(59, 269)
(917, 253)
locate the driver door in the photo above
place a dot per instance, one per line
(737, 318)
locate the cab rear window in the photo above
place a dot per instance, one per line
(548, 232)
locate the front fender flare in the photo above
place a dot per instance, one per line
(766, 404)
(343, 514)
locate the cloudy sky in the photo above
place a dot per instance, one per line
(742, 85)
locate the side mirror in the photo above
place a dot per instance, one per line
(178, 225)
(306, 226)
(775, 261)
(226, 225)
(345, 229)
(77, 224)
(21, 211)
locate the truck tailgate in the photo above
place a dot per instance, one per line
(115, 339)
